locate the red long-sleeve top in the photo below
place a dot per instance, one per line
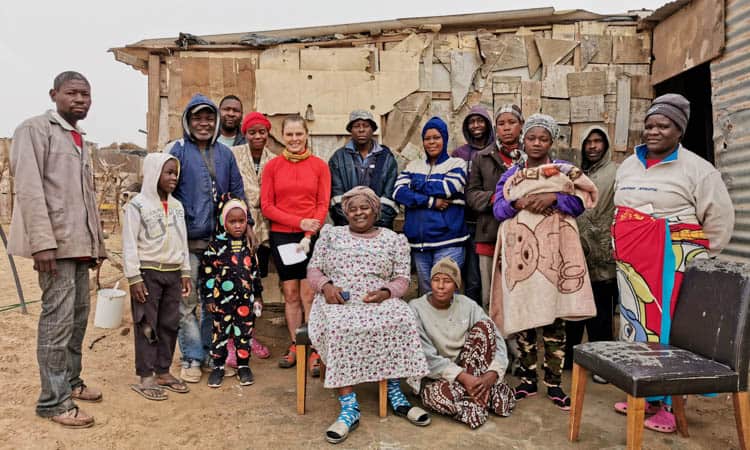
(291, 192)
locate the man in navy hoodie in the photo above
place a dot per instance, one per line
(207, 170)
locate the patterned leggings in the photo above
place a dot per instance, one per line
(235, 326)
(554, 353)
(452, 399)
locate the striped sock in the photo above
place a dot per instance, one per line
(395, 396)
(349, 409)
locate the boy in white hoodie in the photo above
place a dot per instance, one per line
(157, 266)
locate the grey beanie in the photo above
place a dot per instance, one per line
(544, 121)
(674, 106)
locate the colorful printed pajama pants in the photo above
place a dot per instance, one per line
(554, 353)
(452, 399)
(236, 324)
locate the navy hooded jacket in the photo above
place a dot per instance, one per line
(417, 188)
(195, 188)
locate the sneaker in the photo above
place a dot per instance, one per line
(314, 363)
(245, 375)
(191, 372)
(73, 418)
(290, 359)
(525, 390)
(216, 377)
(558, 397)
(259, 350)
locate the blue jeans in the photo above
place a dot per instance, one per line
(194, 337)
(425, 259)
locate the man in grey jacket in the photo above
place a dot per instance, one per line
(56, 222)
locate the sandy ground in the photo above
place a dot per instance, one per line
(263, 415)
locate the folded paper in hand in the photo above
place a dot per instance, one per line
(290, 254)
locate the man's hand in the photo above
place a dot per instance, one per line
(377, 296)
(312, 225)
(537, 203)
(187, 286)
(138, 292)
(332, 294)
(252, 239)
(46, 261)
(212, 308)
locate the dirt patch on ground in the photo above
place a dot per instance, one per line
(263, 415)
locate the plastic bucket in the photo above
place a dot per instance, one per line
(109, 308)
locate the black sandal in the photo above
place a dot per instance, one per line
(413, 414)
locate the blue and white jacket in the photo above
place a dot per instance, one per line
(417, 188)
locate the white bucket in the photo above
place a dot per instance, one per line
(109, 308)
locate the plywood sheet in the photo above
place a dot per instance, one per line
(334, 59)
(555, 83)
(622, 118)
(564, 32)
(691, 36)
(398, 61)
(640, 87)
(587, 83)
(631, 49)
(464, 64)
(563, 138)
(587, 108)
(440, 80)
(279, 58)
(531, 97)
(502, 99)
(552, 51)
(638, 108)
(506, 51)
(592, 27)
(404, 120)
(506, 85)
(557, 108)
(603, 45)
(324, 146)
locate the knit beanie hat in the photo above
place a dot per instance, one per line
(544, 121)
(674, 106)
(448, 267)
(254, 118)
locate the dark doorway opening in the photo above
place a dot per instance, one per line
(695, 85)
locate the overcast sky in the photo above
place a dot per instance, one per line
(39, 39)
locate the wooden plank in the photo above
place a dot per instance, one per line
(622, 117)
(563, 143)
(620, 30)
(587, 83)
(587, 108)
(464, 64)
(640, 87)
(503, 99)
(404, 120)
(578, 392)
(280, 58)
(555, 83)
(592, 27)
(631, 49)
(636, 414)
(501, 52)
(506, 85)
(564, 32)
(440, 79)
(533, 60)
(689, 37)
(334, 59)
(604, 49)
(154, 102)
(552, 51)
(557, 108)
(531, 97)
(638, 108)
(175, 97)
(163, 80)
(467, 39)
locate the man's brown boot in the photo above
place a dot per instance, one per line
(74, 418)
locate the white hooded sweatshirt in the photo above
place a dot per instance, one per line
(151, 238)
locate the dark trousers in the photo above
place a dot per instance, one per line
(472, 279)
(62, 325)
(156, 322)
(599, 327)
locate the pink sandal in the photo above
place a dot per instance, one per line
(622, 408)
(259, 350)
(663, 422)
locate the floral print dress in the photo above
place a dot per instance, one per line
(361, 342)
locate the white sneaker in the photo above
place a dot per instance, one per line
(191, 372)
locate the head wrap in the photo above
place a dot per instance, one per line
(230, 205)
(541, 120)
(448, 267)
(254, 118)
(673, 106)
(370, 196)
(361, 114)
(509, 108)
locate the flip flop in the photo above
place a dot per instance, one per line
(663, 422)
(622, 408)
(173, 384)
(150, 392)
(413, 414)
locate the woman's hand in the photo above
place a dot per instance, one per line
(312, 225)
(441, 204)
(212, 308)
(332, 294)
(378, 296)
(537, 203)
(475, 387)
(187, 286)
(138, 292)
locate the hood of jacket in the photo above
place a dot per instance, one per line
(488, 138)
(585, 164)
(438, 124)
(198, 99)
(152, 167)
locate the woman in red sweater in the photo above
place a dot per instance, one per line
(294, 197)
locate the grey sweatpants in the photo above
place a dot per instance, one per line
(62, 325)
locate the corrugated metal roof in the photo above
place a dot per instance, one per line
(662, 13)
(730, 86)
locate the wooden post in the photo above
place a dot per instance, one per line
(382, 398)
(678, 408)
(578, 387)
(636, 414)
(301, 377)
(154, 102)
(742, 416)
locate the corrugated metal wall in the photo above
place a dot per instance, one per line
(730, 85)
